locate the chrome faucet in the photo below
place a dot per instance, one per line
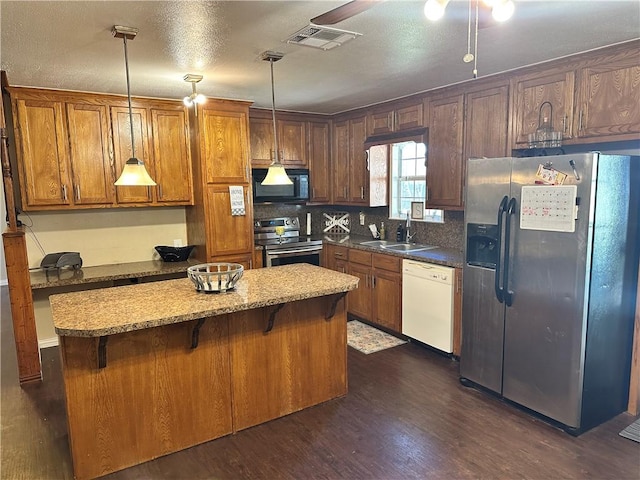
(409, 235)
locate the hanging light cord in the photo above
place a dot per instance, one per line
(273, 113)
(126, 64)
(475, 51)
(469, 31)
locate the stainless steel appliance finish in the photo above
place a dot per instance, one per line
(548, 320)
(297, 192)
(288, 247)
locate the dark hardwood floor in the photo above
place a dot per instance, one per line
(406, 416)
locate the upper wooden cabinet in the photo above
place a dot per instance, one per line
(594, 97)
(396, 118)
(444, 153)
(530, 92)
(319, 161)
(608, 98)
(224, 139)
(486, 123)
(292, 139)
(71, 146)
(358, 190)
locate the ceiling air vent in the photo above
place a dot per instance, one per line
(324, 38)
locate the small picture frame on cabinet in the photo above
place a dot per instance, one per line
(417, 210)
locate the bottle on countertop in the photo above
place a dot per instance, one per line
(400, 233)
(383, 232)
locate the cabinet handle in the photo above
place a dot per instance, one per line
(338, 254)
(373, 281)
(78, 193)
(366, 159)
(362, 193)
(345, 192)
(564, 123)
(159, 192)
(313, 192)
(64, 193)
(580, 121)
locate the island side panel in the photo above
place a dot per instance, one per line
(155, 396)
(301, 362)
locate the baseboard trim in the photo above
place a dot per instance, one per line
(48, 342)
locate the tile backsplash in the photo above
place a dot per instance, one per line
(448, 234)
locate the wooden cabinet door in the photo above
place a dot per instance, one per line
(457, 313)
(319, 165)
(444, 154)
(358, 173)
(223, 145)
(530, 92)
(340, 163)
(359, 300)
(408, 117)
(292, 137)
(42, 151)
(91, 169)
(261, 134)
(609, 98)
(172, 156)
(381, 122)
(387, 299)
(334, 257)
(486, 123)
(227, 234)
(122, 150)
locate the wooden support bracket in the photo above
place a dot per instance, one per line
(334, 304)
(195, 334)
(272, 317)
(102, 351)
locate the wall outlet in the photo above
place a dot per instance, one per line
(361, 218)
(177, 242)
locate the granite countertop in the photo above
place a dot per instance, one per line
(442, 256)
(108, 311)
(102, 273)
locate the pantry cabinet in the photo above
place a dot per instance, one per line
(219, 147)
(349, 162)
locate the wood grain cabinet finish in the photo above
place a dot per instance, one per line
(486, 123)
(73, 145)
(41, 139)
(292, 140)
(378, 298)
(396, 118)
(350, 184)
(335, 257)
(530, 92)
(172, 156)
(608, 97)
(319, 161)
(444, 154)
(340, 163)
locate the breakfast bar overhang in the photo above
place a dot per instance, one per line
(154, 368)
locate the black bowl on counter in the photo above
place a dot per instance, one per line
(174, 254)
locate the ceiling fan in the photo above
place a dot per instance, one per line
(343, 12)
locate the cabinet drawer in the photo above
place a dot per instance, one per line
(359, 256)
(387, 262)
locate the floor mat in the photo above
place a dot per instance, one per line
(368, 339)
(632, 432)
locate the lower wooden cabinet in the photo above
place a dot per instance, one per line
(378, 298)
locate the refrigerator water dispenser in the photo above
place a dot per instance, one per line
(482, 245)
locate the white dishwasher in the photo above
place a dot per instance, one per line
(427, 303)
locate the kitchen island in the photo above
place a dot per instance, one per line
(154, 368)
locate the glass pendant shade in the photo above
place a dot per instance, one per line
(134, 174)
(276, 175)
(434, 9)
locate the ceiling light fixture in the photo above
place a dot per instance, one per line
(276, 175)
(134, 173)
(195, 97)
(501, 10)
(434, 9)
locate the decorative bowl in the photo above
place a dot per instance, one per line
(174, 254)
(215, 277)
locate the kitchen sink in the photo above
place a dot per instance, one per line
(408, 247)
(379, 243)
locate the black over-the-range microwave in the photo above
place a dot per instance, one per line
(298, 192)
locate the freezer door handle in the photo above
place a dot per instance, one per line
(507, 294)
(502, 208)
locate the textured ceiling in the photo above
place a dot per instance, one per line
(68, 45)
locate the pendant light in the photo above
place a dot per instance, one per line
(134, 172)
(276, 175)
(195, 97)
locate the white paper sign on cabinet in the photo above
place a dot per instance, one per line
(236, 194)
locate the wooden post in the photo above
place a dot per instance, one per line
(15, 255)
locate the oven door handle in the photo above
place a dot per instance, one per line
(277, 253)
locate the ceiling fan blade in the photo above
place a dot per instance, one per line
(343, 12)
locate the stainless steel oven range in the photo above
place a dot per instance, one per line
(283, 244)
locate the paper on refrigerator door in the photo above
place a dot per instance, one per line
(236, 194)
(550, 208)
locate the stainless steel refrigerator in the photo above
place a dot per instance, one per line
(549, 283)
